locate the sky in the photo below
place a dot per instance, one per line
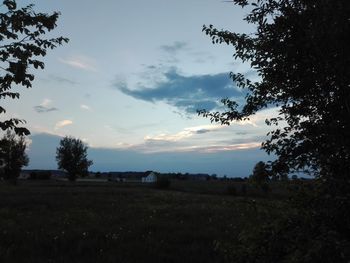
(129, 83)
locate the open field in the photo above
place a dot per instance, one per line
(89, 222)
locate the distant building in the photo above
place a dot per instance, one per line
(24, 175)
(150, 177)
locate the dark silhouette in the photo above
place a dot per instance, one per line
(13, 156)
(260, 173)
(21, 42)
(300, 54)
(302, 62)
(71, 156)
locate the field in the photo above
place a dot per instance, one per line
(109, 222)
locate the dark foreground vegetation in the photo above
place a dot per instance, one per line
(47, 221)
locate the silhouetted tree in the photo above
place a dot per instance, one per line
(12, 155)
(302, 61)
(300, 54)
(21, 42)
(260, 173)
(71, 156)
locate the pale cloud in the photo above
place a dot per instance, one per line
(231, 147)
(46, 102)
(45, 106)
(184, 134)
(63, 123)
(195, 139)
(80, 62)
(251, 122)
(155, 146)
(85, 107)
(212, 148)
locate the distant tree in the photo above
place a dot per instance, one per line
(260, 173)
(21, 42)
(71, 156)
(40, 175)
(12, 155)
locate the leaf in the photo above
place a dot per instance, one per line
(10, 4)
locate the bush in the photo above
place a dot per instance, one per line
(231, 190)
(244, 189)
(162, 183)
(40, 175)
(265, 188)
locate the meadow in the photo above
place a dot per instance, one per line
(48, 221)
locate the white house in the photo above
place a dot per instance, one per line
(150, 178)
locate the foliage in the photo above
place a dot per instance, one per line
(294, 177)
(260, 173)
(299, 234)
(71, 156)
(162, 182)
(299, 52)
(244, 189)
(231, 190)
(260, 177)
(21, 43)
(300, 56)
(40, 175)
(13, 155)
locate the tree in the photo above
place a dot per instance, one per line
(301, 56)
(71, 156)
(13, 156)
(260, 173)
(21, 43)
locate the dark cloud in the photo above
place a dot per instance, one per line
(174, 48)
(188, 93)
(43, 109)
(203, 131)
(63, 80)
(151, 67)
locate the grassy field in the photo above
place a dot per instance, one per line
(110, 222)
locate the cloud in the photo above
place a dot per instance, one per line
(185, 133)
(233, 163)
(179, 143)
(45, 107)
(62, 80)
(188, 93)
(42, 109)
(80, 62)
(197, 139)
(174, 48)
(85, 107)
(63, 123)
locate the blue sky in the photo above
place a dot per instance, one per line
(129, 83)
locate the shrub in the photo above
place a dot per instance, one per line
(244, 189)
(231, 190)
(162, 183)
(40, 175)
(265, 188)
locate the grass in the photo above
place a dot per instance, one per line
(109, 222)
